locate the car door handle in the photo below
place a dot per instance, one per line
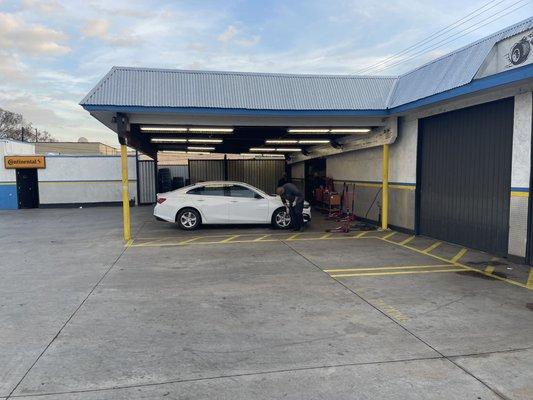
(200, 200)
(233, 201)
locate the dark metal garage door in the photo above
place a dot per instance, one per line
(464, 171)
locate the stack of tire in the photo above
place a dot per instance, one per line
(164, 180)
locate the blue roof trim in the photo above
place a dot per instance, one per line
(235, 111)
(489, 82)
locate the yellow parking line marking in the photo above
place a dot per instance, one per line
(189, 240)
(325, 236)
(390, 267)
(389, 235)
(397, 273)
(292, 237)
(529, 283)
(407, 240)
(129, 243)
(489, 269)
(432, 247)
(229, 239)
(361, 234)
(458, 256)
(261, 238)
(461, 265)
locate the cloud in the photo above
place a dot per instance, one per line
(42, 6)
(32, 39)
(228, 35)
(100, 29)
(12, 68)
(252, 41)
(234, 35)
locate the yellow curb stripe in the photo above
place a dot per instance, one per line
(390, 267)
(361, 234)
(432, 247)
(325, 236)
(458, 256)
(529, 283)
(292, 237)
(397, 273)
(407, 240)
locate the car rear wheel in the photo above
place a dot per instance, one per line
(281, 219)
(188, 219)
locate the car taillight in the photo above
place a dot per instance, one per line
(160, 200)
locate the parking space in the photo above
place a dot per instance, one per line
(240, 312)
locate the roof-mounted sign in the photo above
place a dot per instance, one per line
(24, 162)
(513, 52)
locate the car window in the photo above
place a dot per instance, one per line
(241, 191)
(197, 190)
(211, 190)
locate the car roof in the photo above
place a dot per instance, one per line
(222, 183)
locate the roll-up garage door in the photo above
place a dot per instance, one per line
(465, 176)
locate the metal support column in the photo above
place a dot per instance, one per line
(385, 189)
(125, 194)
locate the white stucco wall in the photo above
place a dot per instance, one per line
(84, 179)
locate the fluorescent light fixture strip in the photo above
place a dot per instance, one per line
(300, 141)
(200, 148)
(184, 140)
(277, 149)
(183, 129)
(338, 131)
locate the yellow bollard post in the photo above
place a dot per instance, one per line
(125, 194)
(385, 189)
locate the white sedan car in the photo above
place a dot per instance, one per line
(223, 203)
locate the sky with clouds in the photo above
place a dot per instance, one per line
(53, 52)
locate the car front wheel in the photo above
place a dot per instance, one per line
(281, 219)
(188, 219)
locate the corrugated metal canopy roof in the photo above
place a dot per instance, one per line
(255, 91)
(148, 87)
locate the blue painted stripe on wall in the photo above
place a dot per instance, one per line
(8, 197)
(520, 189)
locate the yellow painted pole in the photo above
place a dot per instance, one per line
(385, 189)
(125, 194)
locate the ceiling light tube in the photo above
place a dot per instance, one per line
(204, 140)
(167, 140)
(313, 141)
(200, 148)
(211, 130)
(280, 141)
(199, 152)
(288, 149)
(262, 149)
(313, 130)
(163, 129)
(350, 130)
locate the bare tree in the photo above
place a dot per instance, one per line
(13, 126)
